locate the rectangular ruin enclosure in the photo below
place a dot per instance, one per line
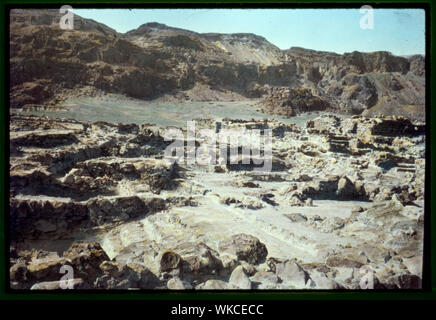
(148, 152)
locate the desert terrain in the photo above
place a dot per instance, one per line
(92, 188)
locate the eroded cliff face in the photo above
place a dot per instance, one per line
(48, 64)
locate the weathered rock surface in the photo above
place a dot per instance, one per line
(245, 247)
(240, 279)
(180, 226)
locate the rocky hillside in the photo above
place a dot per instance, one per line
(155, 225)
(48, 64)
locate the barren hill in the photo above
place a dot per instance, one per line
(48, 63)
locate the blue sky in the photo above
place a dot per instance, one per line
(400, 31)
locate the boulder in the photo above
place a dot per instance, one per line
(177, 284)
(265, 280)
(245, 247)
(86, 258)
(292, 274)
(215, 285)
(199, 260)
(169, 260)
(319, 280)
(125, 276)
(239, 278)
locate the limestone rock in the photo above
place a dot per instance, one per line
(245, 247)
(177, 284)
(125, 276)
(215, 285)
(239, 278)
(292, 274)
(169, 260)
(199, 260)
(265, 280)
